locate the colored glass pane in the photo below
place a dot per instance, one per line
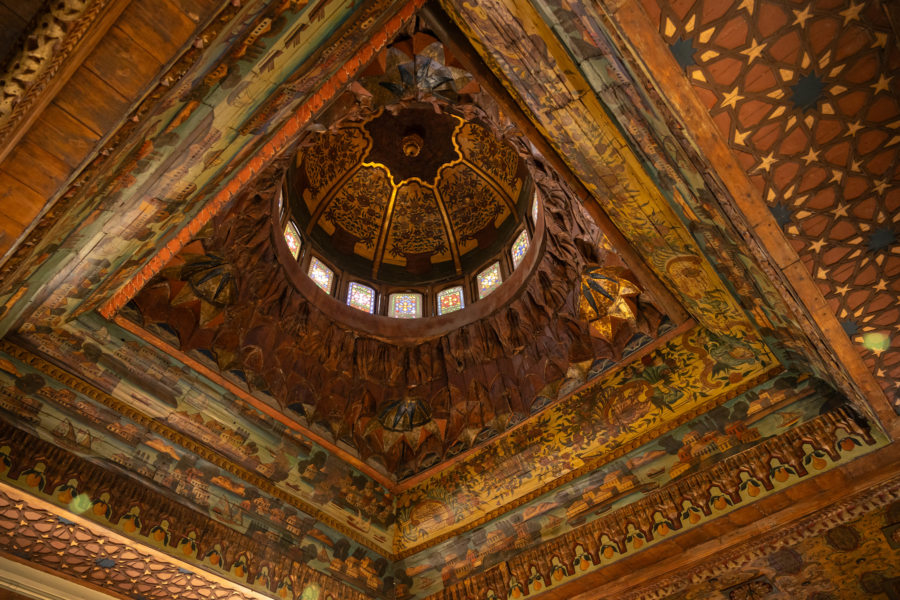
(534, 209)
(449, 300)
(361, 297)
(519, 248)
(292, 237)
(405, 306)
(322, 275)
(489, 280)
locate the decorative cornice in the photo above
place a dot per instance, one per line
(12, 261)
(845, 511)
(596, 463)
(626, 530)
(75, 548)
(51, 54)
(58, 30)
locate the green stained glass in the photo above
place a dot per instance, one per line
(292, 237)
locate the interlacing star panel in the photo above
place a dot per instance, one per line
(806, 95)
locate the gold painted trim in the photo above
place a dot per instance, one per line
(385, 229)
(591, 465)
(454, 239)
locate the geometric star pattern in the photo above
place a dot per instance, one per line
(807, 98)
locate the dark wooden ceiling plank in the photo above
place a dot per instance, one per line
(36, 167)
(158, 27)
(11, 28)
(20, 203)
(63, 136)
(93, 102)
(24, 9)
(124, 66)
(198, 10)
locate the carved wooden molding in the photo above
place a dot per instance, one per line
(173, 435)
(848, 509)
(79, 550)
(681, 504)
(64, 36)
(236, 557)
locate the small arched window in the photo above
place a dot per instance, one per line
(362, 297)
(292, 237)
(322, 275)
(489, 280)
(519, 248)
(405, 305)
(450, 300)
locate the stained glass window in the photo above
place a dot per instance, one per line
(322, 275)
(519, 248)
(534, 209)
(449, 300)
(405, 306)
(361, 296)
(489, 280)
(292, 237)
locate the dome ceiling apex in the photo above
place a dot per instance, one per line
(409, 194)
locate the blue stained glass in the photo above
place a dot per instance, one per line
(519, 248)
(489, 280)
(405, 306)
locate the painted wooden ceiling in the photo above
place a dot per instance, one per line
(159, 434)
(806, 97)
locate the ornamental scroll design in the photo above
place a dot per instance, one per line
(682, 504)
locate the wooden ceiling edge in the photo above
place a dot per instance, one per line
(68, 55)
(67, 58)
(255, 165)
(650, 51)
(39, 582)
(870, 481)
(593, 464)
(103, 533)
(468, 57)
(244, 395)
